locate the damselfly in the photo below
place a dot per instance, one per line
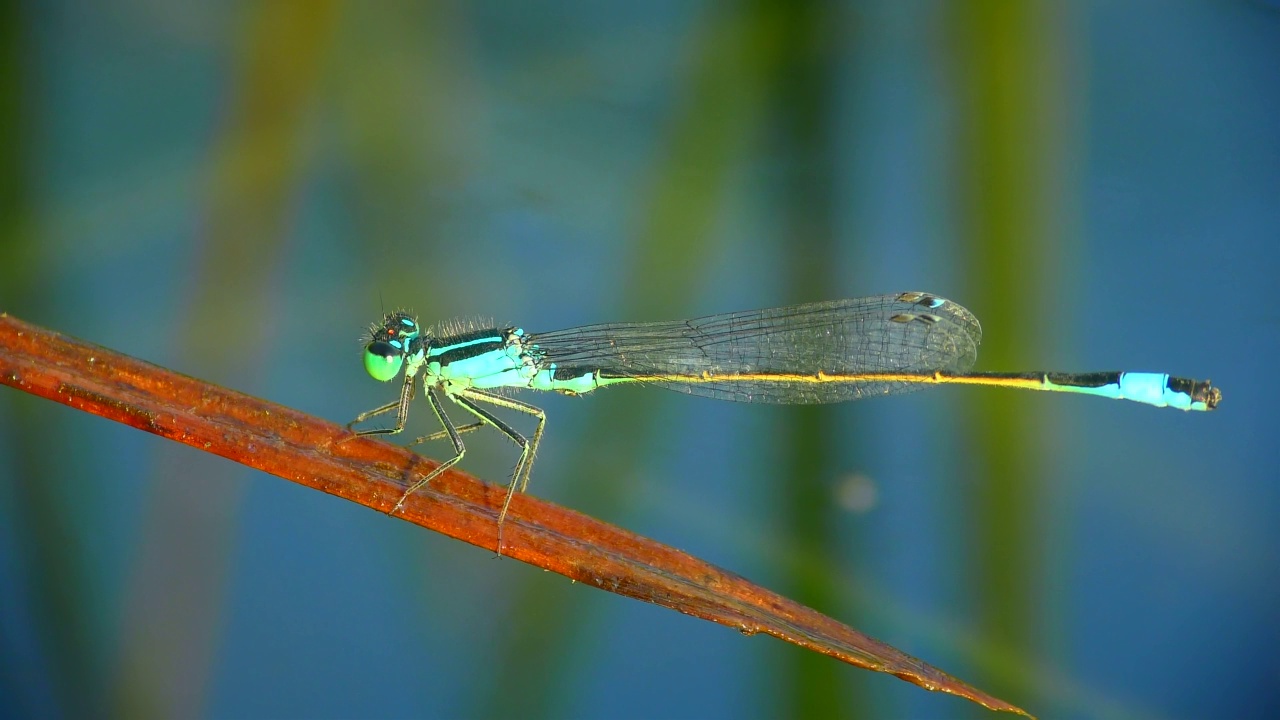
(813, 353)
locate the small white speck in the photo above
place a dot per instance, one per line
(857, 493)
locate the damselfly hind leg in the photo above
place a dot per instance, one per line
(528, 447)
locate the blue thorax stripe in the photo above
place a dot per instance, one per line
(465, 345)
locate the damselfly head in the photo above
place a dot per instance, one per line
(388, 343)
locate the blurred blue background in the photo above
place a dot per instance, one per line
(234, 190)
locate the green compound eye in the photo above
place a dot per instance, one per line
(382, 361)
